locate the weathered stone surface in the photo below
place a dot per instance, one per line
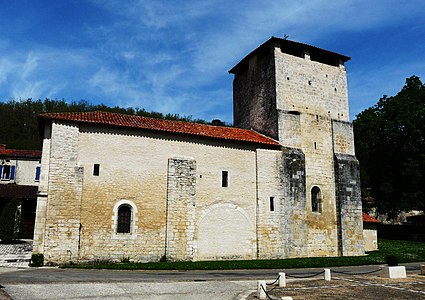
(181, 208)
(306, 98)
(349, 203)
(173, 183)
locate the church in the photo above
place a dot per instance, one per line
(283, 182)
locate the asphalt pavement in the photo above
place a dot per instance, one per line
(55, 283)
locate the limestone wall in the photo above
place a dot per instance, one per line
(181, 196)
(217, 222)
(254, 95)
(25, 172)
(310, 87)
(343, 137)
(272, 215)
(41, 209)
(312, 103)
(370, 237)
(62, 218)
(308, 102)
(294, 181)
(349, 203)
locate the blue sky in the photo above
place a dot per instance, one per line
(173, 56)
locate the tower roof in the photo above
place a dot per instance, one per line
(296, 49)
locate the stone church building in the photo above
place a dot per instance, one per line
(284, 182)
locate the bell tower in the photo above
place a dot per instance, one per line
(297, 94)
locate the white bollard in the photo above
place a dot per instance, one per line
(328, 274)
(394, 272)
(282, 280)
(261, 294)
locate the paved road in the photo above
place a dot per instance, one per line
(53, 283)
(212, 290)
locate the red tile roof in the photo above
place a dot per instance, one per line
(19, 153)
(369, 219)
(131, 121)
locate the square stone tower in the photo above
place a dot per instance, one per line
(297, 94)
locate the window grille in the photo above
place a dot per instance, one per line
(124, 219)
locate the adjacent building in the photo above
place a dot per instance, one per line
(19, 178)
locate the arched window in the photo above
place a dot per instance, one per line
(124, 219)
(316, 199)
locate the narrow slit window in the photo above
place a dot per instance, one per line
(271, 203)
(224, 178)
(96, 169)
(315, 145)
(316, 200)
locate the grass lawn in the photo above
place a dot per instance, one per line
(405, 251)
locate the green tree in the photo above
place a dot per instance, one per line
(10, 221)
(390, 145)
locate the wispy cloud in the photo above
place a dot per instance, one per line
(173, 56)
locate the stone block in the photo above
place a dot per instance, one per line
(394, 272)
(422, 269)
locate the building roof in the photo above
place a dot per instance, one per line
(180, 127)
(292, 47)
(19, 153)
(369, 219)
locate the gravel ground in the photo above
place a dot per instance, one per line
(354, 287)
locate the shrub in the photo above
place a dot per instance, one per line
(10, 221)
(391, 260)
(37, 260)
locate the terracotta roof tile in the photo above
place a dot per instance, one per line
(369, 219)
(19, 153)
(132, 121)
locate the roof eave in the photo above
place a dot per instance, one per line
(275, 40)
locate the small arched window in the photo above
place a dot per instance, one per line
(124, 219)
(316, 199)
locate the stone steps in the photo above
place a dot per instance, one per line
(15, 255)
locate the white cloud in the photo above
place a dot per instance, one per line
(173, 56)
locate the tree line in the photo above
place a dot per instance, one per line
(19, 127)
